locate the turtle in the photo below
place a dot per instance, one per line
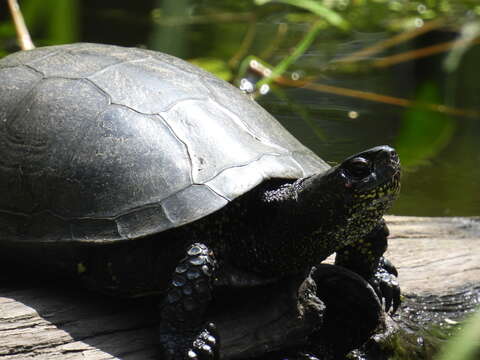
(136, 171)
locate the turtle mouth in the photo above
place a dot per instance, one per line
(393, 182)
(388, 188)
(395, 166)
(387, 163)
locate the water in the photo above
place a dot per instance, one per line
(440, 153)
(441, 181)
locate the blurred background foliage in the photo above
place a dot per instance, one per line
(341, 75)
(465, 344)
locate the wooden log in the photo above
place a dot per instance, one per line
(438, 260)
(62, 323)
(435, 255)
(44, 321)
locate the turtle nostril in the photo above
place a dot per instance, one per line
(394, 156)
(392, 153)
(387, 155)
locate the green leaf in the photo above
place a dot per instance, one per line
(466, 344)
(7, 30)
(299, 50)
(63, 24)
(215, 66)
(51, 21)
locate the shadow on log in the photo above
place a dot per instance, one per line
(438, 261)
(62, 324)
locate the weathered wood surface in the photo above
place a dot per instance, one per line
(433, 255)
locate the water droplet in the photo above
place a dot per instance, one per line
(353, 114)
(421, 8)
(247, 86)
(419, 22)
(264, 89)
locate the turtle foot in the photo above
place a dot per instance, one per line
(385, 284)
(182, 333)
(199, 345)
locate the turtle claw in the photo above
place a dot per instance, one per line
(206, 345)
(181, 346)
(386, 291)
(388, 266)
(396, 299)
(386, 285)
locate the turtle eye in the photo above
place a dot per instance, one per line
(359, 167)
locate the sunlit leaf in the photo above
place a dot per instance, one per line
(215, 66)
(466, 344)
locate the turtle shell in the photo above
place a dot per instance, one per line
(103, 143)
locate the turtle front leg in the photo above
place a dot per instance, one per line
(183, 332)
(365, 257)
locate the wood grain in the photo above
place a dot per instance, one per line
(433, 256)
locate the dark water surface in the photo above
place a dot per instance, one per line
(440, 153)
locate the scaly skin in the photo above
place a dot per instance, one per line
(285, 228)
(365, 257)
(277, 229)
(185, 302)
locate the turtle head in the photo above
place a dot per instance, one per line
(317, 215)
(347, 201)
(371, 177)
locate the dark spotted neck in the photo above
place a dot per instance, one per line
(284, 228)
(311, 216)
(297, 225)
